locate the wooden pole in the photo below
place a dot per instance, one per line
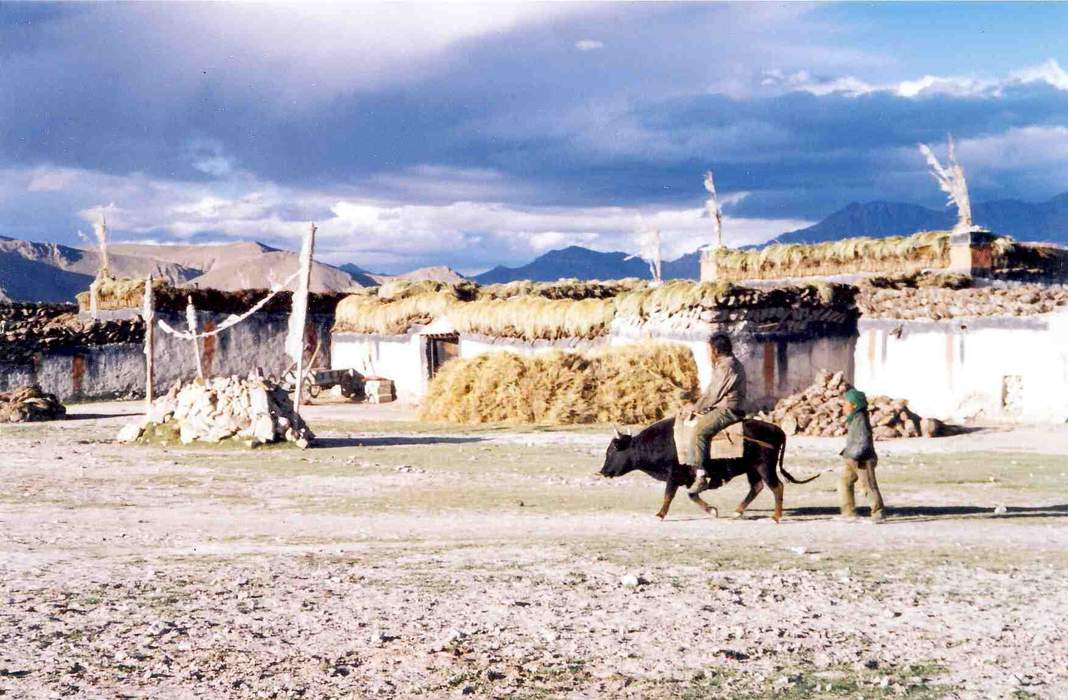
(191, 321)
(149, 316)
(298, 316)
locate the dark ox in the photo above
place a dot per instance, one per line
(653, 451)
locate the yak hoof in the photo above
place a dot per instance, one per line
(739, 515)
(661, 515)
(713, 511)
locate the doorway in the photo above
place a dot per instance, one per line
(440, 348)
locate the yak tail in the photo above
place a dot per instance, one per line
(788, 475)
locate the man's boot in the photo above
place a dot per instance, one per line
(700, 482)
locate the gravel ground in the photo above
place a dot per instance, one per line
(401, 560)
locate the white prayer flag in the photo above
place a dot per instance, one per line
(298, 316)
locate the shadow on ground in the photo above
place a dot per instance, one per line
(393, 441)
(98, 416)
(919, 513)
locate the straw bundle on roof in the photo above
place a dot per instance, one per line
(925, 249)
(562, 289)
(630, 384)
(395, 307)
(534, 317)
(116, 293)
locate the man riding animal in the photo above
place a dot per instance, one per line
(721, 405)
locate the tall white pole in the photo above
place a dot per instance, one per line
(191, 321)
(149, 316)
(298, 316)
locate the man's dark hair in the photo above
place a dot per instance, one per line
(721, 343)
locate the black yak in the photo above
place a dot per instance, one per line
(653, 452)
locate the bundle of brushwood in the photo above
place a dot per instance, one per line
(945, 297)
(631, 384)
(251, 411)
(29, 403)
(26, 329)
(128, 293)
(819, 411)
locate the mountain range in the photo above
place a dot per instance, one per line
(32, 271)
(1045, 222)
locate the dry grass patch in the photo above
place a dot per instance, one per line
(631, 384)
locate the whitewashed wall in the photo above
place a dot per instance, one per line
(399, 358)
(999, 368)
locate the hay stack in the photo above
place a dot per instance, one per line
(632, 384)
(818, 411)
(253, 411)
(29, 403)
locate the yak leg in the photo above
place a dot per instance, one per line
(669, 495)
(709, 510)
(777, 490)
(755, 487)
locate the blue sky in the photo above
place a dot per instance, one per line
(471, 135)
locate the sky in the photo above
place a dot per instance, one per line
(484, 134)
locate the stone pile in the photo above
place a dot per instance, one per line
(253, 411)
(29, 403)
(936, 303)
(819, 411)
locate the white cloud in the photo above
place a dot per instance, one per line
(379, 233)
(1049, 73)
(589, 45)
(1024, 147)
(287, 52)
(51, 179)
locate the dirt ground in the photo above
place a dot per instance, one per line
(400, 559)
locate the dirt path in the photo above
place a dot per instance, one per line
(403, 560)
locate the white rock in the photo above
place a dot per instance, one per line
(129, 432)
(630, 581)
(1000, 510)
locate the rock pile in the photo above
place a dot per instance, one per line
(818, 411)
(29, 403)
(250, 410)
(884, 299)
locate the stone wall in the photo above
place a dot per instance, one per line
(87, 370)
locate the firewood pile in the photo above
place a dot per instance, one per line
(252, 411)
(914, 299)
(29, 403)
(29, 328)
(819, 411)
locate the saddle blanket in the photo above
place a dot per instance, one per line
(726, 444)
